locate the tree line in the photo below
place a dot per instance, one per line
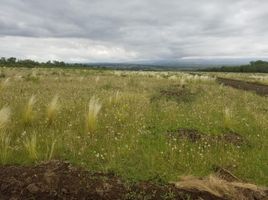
(254, 66)
(28, 63)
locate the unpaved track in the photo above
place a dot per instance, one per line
(260, 89)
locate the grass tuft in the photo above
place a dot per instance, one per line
(4, 117)
(4, 137)
(29, 113)
(94, 107)
(30, 145)
(52, 109)
(4, 84)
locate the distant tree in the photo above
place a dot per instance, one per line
(11, 60)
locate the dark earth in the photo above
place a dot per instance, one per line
(60, 180)
(178, 93)
(259, 88)
(194, 135)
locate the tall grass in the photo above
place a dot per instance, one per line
(227, 118)
(52, 109)
(4, 117)
(30, 144)
(4, 137)
(94, 108)
(29, 113)
(4, 84)
(114, 98)
(50, 149)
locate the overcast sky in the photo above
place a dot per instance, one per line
(132, 30)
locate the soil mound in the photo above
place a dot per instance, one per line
(59, 180)
(197, 136)
(260, 89)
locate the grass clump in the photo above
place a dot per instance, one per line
(4, 137)
(94, 108)
(50, 149)
(4, 84)
(52, 109)
(29, 113)
(4, 117)
(30, 145)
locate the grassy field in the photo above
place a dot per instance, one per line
(127, 122)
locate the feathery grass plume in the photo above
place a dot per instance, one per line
(182, 81)
(227, 118)
(4, 117)
(115, 98)
(97, 79)
(30, 145)
(52, 109)
(29, 114)
(219, 187)
(4, 84)
(4, 138)
(91, 118)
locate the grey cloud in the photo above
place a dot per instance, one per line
(148, 29)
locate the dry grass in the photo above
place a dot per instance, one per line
(4, 117)
(219, 187)
(4, 137)
(52, 109)
(4, 84)
(94, 107)
(29, 114)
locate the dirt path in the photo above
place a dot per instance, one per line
(260, 89)
(59, 180)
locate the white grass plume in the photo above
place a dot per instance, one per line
(4, 117)
(4, 84)
(52, 109)
(115, 98)
(227, 118)
(29, 114)
(94, 107)
(4, 137)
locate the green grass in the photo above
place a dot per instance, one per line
(128, 134)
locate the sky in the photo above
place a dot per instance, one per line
(133, 30)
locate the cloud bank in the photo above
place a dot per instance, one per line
(120, 30)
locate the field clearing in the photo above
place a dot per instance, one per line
(140, 125)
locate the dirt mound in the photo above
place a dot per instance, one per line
(260, 89)
(178, 93)
(59, 180)
(197, 136)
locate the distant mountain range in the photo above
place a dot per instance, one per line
(189, 63)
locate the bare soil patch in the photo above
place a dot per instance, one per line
(178, 93)
(60, 180)
(260, 89)
(197, 136)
